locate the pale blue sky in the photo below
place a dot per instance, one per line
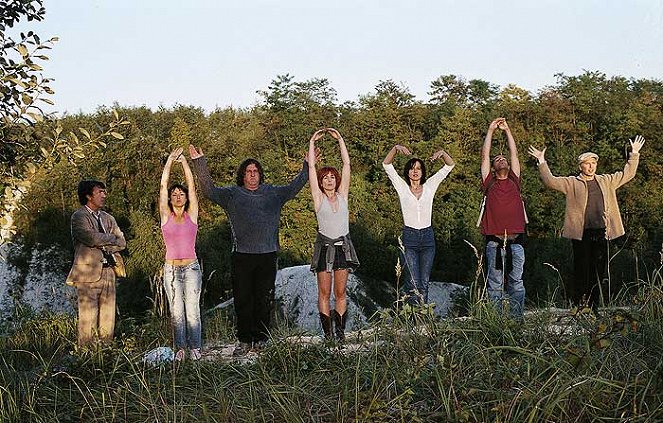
(216, 53)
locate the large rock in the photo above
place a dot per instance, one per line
(297, 298)
(41, 286)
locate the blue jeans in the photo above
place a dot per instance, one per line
(418, 262)
(183, 285)
(515, 290)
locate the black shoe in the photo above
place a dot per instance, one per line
(339, 325)
(326, 323)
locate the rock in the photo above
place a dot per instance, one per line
(297, 299)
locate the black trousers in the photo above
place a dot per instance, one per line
(590, 264)
(253, 278)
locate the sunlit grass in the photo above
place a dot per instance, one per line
(406, 366)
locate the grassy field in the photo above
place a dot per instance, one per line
(556, 366)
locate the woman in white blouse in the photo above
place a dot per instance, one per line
(416, 195)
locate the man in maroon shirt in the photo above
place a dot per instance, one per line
(503, 223)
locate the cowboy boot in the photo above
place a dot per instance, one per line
(326, 323)
(339, 325)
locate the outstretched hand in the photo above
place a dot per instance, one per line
(637, 144)
(176, 155)
(537, 154)
(402, 149)
(503, 125)
(318, 134)
(436, 155)
(496, 123)
(334, 133)
(195, 154)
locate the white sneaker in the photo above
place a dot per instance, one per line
(196, 354)
(180, 355)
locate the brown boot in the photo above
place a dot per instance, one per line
(339, 325)
(326, 323)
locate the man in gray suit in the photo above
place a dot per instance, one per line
(97, 239)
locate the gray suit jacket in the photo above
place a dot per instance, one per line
(88, 243)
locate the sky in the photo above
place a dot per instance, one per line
(216, 53)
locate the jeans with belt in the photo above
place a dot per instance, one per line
(183, 285)
(418, 262)
(511, 287)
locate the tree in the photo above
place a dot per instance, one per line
(32, 140)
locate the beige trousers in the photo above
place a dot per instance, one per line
(96, 308)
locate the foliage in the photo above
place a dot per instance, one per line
(578, 113)
(32, 142)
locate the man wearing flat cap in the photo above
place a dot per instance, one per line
(592, 217)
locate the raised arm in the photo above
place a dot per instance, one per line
(344, 188)
(435, 179)
(392, 153)
(192, 195)
(631, 167)
(513, 150)
(485, 150)
(164, 210)
(558, 183)
(220, 195)
(316, 193)
(445, 156)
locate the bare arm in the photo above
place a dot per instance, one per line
(513, 150)
(485, 150)
(316, 193)
(344, 188)
(192, 195)
(164, 210)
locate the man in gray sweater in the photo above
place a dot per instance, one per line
(254, 211)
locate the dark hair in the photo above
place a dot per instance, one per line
(241, 170)
(86, 187)
(182, 188)
(324, 171)
(409, 165)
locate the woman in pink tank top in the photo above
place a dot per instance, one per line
(182, 276)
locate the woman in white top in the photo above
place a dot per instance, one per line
(416, 195)
(333, 251)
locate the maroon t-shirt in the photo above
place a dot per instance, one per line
(504, 206)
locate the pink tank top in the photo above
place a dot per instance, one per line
(180, 238)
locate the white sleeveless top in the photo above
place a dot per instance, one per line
(330, 224)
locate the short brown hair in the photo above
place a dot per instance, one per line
(324, 171)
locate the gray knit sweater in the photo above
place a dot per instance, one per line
(254, 215)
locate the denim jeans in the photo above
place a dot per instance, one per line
(183, 285)
(515, 290)
(418, 262)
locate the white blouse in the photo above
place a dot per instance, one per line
(417, 212)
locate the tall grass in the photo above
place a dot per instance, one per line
(409, 367)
